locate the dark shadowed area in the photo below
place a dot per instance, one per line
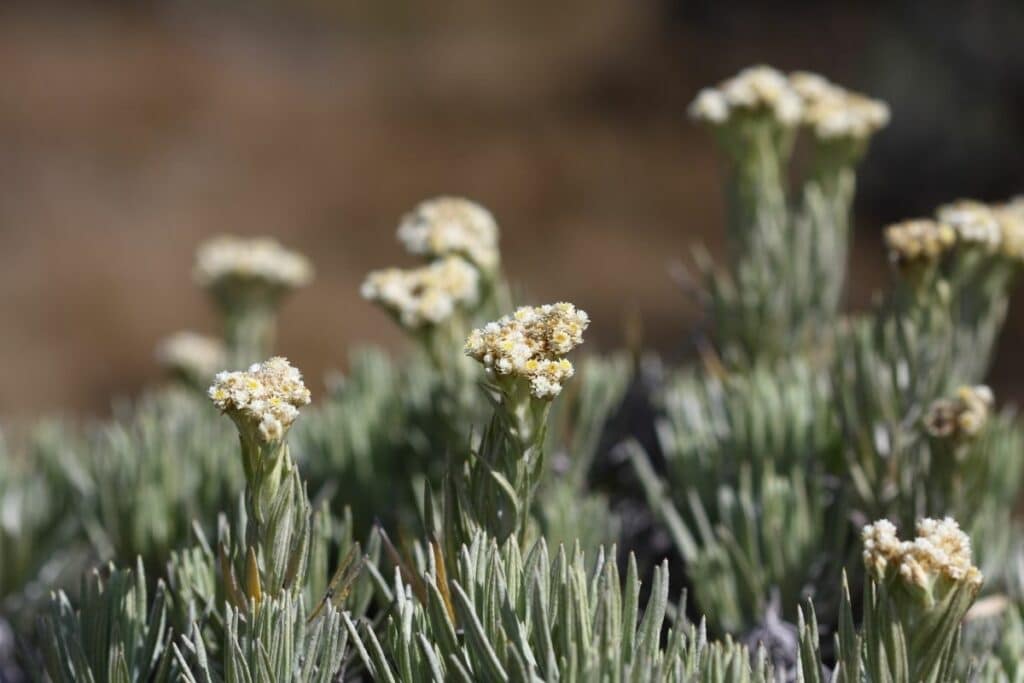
(130, 132)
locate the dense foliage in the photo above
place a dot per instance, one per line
(450, 515)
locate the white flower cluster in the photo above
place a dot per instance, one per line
(833, 112)
(964, 415)
(1011, 224)
(531, 344)
(917, 241)
(427, 295)
(974, 223)
(991, 226)
(191, 353)
(829, 110)
(267, 396)
(941, 549)
(754, 89)
(230, 258)
(450, 225)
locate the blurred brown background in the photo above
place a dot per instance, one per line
(131, 131)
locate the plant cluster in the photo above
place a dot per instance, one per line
(440, 517)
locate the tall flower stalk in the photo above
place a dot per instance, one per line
(247, 280)
(264, 402)
(787, 255)
(434, 303)
(525, 367)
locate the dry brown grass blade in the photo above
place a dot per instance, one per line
(253, 588)
(442, 580)
(409, 576)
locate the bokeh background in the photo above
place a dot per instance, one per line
(131, 131)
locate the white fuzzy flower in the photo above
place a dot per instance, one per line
(974, 222)
(427, 295)
(963, 416)
(192, 354)
(880, 545)
(940, 550)
(918, 241)
(230, 259)
(755, 89)
(450, 225)
(710, 106)
(531, 344)
(263, 400)
(833, 112)
(1011, 226)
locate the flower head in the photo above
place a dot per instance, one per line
(427, 295)
(974, 223)
(833, 112)
(918, 241)
(191, 354)
(941, 551)
(531, 344)
(1011, 225)
(757, 89)
(881, 545)
(450, 225)
(228, 260)
(263, 401)
(963, 416)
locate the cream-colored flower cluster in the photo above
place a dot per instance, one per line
(918, 241)
(754, 89)
(426, 295)
(829, 110)
(963, 416)
(1011, 226)
(941, 549)
(974, 222)
(193, 354)
(230, 258)
(451, 225)
(992, 227)
(833, 112)
(267, 396)
(531, 344)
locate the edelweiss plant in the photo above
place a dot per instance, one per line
(383, 426)
(764, 305)
(916, 595)
(263, 402)
(427, 295)
(990, 256)
(799, 420)
(763, 461)
(430, 302)
(963, 264)
(247, 278)
(436, 302)
(192, 358)
(524, 362)
(265, 629)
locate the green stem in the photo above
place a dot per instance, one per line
(249, 332)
